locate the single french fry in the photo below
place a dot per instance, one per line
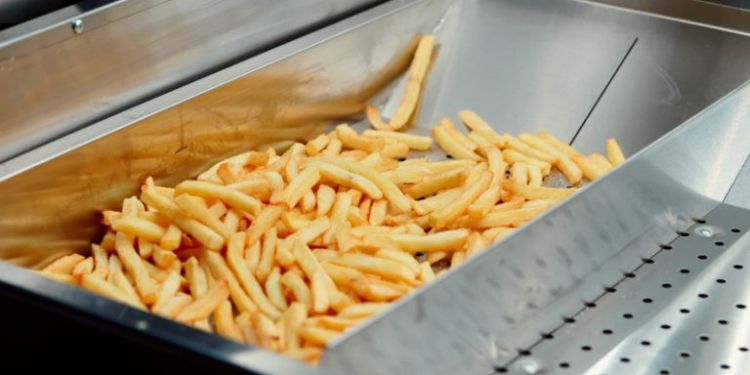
(399, 256)
(343, 177)
(493, 234)
(415, 142)
(477, 124)
(293, 318)
(449, 240)
(601, 161)
(267, 256)
(317, 145)
(138, 227)
(325, 198)
(537, 193)
(565, 164)
(534, 153)
(535, 175)
(166, 291)
(263, 222)
(374, 118)
(226, 194)
(224, 322)
(437, 183)
(163, 258)
(417, 72)
(362, 310)
(387, 268)
(614, 152)
(196, 278)
(172, 238)
(300, 185)
(64, 265)
(317, 335)
(486, 200)
(457, 258)
(274, 291)
(426, 273)
(320, 299)
(353, 140)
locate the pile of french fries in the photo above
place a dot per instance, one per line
(286, 251)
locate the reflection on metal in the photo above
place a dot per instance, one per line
(55, 78)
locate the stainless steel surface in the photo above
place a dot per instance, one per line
(54, 80)
(685, 312)
(474, 320)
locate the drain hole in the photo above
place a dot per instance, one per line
(645, 343)
(648, 261)
(569, 320)
(699, 221)
(721, 281)
(723, 322)
(627, 316)
(684, 270)
(548, 336)
(738, 266)
(590, 304)
(664, 372)
(740, 306)
(719, 243)
(665, 326)
(736, 230)
(683, 234)
(665, 247)
(624, 359)
(501, 370)
(607, 331)
(610, 289)
(629, 274)
(666, 285)
(703, 295)
(685, 355)
(524, 352)
(702, 257)
(564, 365)
(743, 349)
(647, 300)
(703, 338)
(684, 311)
(725, 366)
(586, 348)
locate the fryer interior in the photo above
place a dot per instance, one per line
(580, 71)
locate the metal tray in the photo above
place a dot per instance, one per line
(582, 71)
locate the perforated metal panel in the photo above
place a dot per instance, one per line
(683, 311)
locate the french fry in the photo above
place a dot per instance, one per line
(325, 198)
(537, 193)
(317, 145)
(196, 208)
(246, 278)
(103, 288)
(449, 240)
(273, 289)
(300, 185)
(386, 268)
(590, 169)
(513, 156)
(64, 265)
(564, 163)
(196, 278)
(445, 140)
(417, 72)
(614, 152)
(268, 253)
(353, 140)
(220, 270)
(138, 227)
(374, 118)
(293, 318)
(437, 183)
(445, 215)
(224, 322)
(477, 124)
(172, 238)
(226, 194)
(362, 310)
(317, 335)
(135, 266)
(414, 142)
(343, 177)
(299, 288)
(601, 161)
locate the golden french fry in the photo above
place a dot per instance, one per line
(362, 310)
(166, 291)
(387, 268)
(564, 163)
(135, 266)
(317, 335)
(220, 270)
(346, 178)
(590, 169)
(196, 208)
(417, 72)
(537, 193)
(374, 118)
(138, 227)
(103, 288)
(226, 194)
(415, 142)
(172, 238)
(300, 185)
(65, 264)
(388, 188)
(245, 276)
(449, 240)
(535, 175)
(273, 289)
(513, 156)
(196, 277)
(445, 215)
(299, 288)
(317, 145)
(601, 161)
(267, 256)
(477, 124)
(446, 141)
(614, 152)
(293, 318)
(224, 322)
(325, 198)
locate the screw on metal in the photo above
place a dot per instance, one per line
(77, 26)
